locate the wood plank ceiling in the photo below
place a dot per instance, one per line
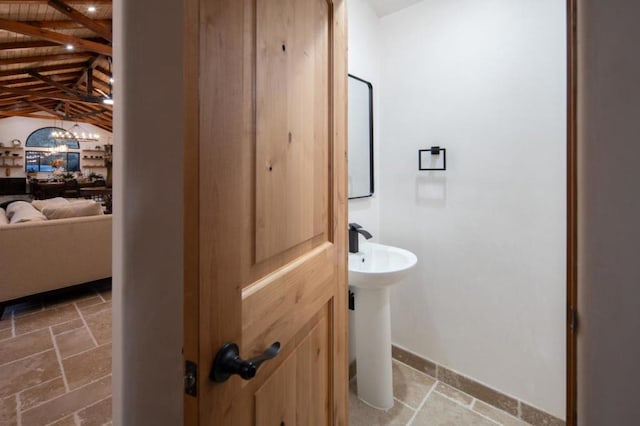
(56, 60)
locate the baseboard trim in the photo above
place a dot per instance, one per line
(499, 400)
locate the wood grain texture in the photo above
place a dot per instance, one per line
(301, 398)
(295, 285)
(83, 20)
(274, 400)
(312, 370)
(41, 33)
(291, 123)
(287, 299)
(338, 204)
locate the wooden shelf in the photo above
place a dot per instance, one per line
(93, 150)
(94, 167)
(11, 157)
(10, 148)
(13, 166)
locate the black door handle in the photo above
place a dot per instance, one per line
(228, 362)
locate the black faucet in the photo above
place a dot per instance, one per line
(354, 230)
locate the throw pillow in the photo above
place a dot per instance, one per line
(76, 209)
(16, 206)
(57, 201)
(24, 212)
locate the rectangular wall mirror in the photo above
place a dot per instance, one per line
(360, 140)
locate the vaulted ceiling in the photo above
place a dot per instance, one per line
(55, 60)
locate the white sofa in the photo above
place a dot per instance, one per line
(46, 255)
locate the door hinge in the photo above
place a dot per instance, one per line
(191, 378)
(573, 320)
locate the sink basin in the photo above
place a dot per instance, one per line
(378, 265)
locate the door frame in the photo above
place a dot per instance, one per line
(572, 214)
(191, 172)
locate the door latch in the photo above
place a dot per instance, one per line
(191, 378)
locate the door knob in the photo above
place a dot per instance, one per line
(228, 362)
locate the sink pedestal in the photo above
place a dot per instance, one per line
(372, 317)
(372, 271)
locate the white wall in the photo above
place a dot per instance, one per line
(486, 80)
(609, 210)
(21, 127)
(364, 62)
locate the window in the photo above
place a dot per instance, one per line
(43, 161)
(41, 138)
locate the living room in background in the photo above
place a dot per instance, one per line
(55, 78)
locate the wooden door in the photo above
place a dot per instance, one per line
(266, 208)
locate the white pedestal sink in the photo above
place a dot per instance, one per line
(372, 271)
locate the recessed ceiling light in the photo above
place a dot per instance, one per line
(69, 46)
(107, 101)
(91, 9)
(111, 80)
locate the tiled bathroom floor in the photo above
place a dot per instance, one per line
(421, 400)
(55, 369)
(55, 359)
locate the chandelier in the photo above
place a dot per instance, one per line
(74, 133)
(58, 148)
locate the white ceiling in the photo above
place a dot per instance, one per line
(387, 7)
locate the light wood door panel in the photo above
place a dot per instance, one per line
(303, 398)
(270, 209)
(292, 133)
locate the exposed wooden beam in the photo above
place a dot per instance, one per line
(41, 33)
(35, 44)
(87, 22)
(59, 77)
(65, 25)
(40, 87)
(11, 101)
(57, 85)
(43, 102)
(86, 114)
(99, 117)
(89, 81)
(23, 114)
(91, 64)
(45, 109)
(30, 113)
(103, 71)
(99, 84)
(61, 97)
(36, 83)
(41, 90)
(67, 116)
(42, 70)
(27, 44)
(44, 58)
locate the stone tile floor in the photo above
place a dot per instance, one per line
(55, 358)
(55, 369)
(421, 400)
